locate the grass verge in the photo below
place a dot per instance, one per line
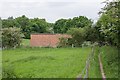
(109, 57)
(110, 61)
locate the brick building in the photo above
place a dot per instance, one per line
(44, 40)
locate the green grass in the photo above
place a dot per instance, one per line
(26, 62)
(25, 42)
(44, 62)
(94, 70)
(110, 61)
(109, 57)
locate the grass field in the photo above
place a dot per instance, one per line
(28, 62)
(44, 62)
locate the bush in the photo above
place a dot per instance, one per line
(11, 37)
(63, 42)
(78, 36)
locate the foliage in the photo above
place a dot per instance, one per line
(59, 26)
(91, 34)
(10, 22)
(63, 42)
(108, 23)
(78, 36)
(11, 38)
(38, 25)
(25, 42)
(27, 25)
(81, 21)
(63, 25)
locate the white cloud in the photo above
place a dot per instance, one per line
(51, 9)
(53, 0)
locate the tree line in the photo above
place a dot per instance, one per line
(104, 31)
(27, 25)
(37, 25)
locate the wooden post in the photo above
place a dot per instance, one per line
(72, 45)
(87, 69)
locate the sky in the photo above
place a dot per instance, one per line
(51, 10)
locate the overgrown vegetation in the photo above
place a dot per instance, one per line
(63, 42)
(78, 36)
(11, 37)
(108, 23)
(110, 61)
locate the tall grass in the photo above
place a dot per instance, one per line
(109, 56)
(110, 61)
(44, 62)
(94, 71)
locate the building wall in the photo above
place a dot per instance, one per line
(44, 40)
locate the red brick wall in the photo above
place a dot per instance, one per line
(44, 40)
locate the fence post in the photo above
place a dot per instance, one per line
(86, 69)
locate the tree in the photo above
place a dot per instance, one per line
(63, 25)
(59, 26)
(78, 36)
(109, 22)
(28, 26)
(91, 34)
(23, 24)
(38, 25)
(81, 21)
(10, 22)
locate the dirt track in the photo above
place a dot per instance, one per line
(101, 68)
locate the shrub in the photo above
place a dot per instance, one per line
(11, 37)
(78, 36)
(63, 42)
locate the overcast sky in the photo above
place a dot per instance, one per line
(51, 10)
